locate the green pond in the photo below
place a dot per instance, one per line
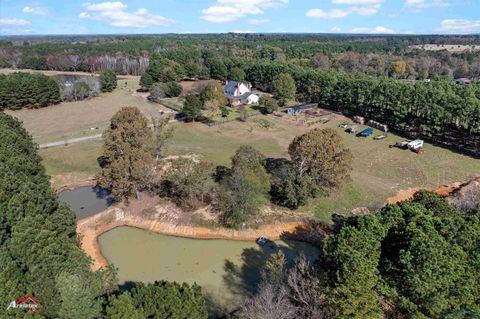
(226, 270)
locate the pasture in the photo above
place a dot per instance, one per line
(449, 47)
(378, 171)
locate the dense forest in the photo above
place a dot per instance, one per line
(40, 254)
(358, 54)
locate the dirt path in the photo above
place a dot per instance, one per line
(90, 228)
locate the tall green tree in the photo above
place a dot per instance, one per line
(192, 107)
(213, 92)
(321, 155)
(122, 307)
(268, 104)
(127, 165)
(246, 188)
(108, 81)
(163, 299)
(283, 87)
(38, 239)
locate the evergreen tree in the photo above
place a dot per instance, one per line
(108, 81)
(283, 87)
(127, 163)
(122, 307)
(192, 108)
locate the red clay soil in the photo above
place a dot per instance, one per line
(406, 194)
(162, 222)
(444, 191)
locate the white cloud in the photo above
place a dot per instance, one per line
(258, 21)
(231, 10)
(13, 21)
(105, 6)
(35, 10)
(335, 29)
(459, 26)
(115, 14)
(357, 2)
(375, 30)
(332, 14)
(419, 5)
(367, 10)
(242, 31)
(360, 7)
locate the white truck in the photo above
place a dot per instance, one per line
(415, 144)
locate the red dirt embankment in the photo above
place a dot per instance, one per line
(90, 228)
(407, 194)
(159, 222)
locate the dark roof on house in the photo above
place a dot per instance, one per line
(239, 97)
(231, 85)
(303, 106)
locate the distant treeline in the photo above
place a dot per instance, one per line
(375, 55)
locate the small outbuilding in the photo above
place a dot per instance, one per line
(297, 109)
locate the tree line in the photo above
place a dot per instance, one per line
(374, 55)
(40, 253)
(35, 90)
(31, 90)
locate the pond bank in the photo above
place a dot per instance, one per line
(90, 228)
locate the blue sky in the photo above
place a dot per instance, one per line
(210, 16)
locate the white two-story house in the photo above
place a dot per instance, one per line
(239, 93)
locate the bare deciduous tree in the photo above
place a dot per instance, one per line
(269, 303)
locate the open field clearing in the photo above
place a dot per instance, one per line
(378, 171)
(75, 119)
(448, 47)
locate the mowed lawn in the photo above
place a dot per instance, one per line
(378, 171)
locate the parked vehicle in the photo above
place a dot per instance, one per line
(415, 144)
(403, 144)
(353, 129)
(366, 132)
(262, 240)
(379, 137)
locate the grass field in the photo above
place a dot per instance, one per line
(75, 119)
(378, 171)
(448, 47)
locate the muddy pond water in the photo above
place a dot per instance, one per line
(227, 270)
(86, 201)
